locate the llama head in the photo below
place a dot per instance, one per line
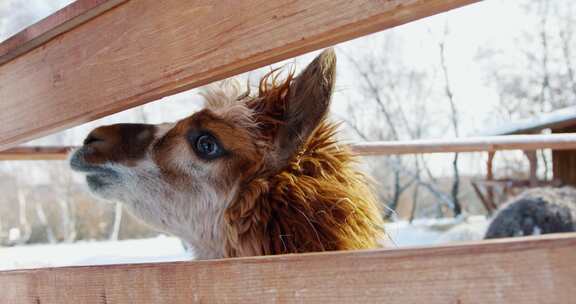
(181, 177)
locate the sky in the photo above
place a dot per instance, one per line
(495, 23)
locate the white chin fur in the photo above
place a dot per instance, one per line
(195, 216)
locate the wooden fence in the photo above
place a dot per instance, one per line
(566, 141)
(98, 57)
(531, 270)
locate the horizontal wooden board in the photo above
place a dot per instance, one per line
(522, 270)
(566, 141)
(142, 50)
(36, 153)
(63, 20)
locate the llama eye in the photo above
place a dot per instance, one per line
(207, 147)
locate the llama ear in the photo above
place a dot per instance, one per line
(308, 103)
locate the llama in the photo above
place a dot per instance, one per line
(250, 174)
(536, 211)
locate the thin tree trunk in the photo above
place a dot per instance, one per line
(68, 218)
(567, 54)
(546, 163)
(414, 203)
(65, 215)
(23, 217)
(545, 83)
(457, 208)
(396, 195)
(44, 221)
(416, 190)
(117, 221)
(456, 186)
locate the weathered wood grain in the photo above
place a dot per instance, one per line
(36, 153)
(61, 21)
(529, 271)
(142, 50)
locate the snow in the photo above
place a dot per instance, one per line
(168, 249)
(556, 119)
(159, 249)
(436, 231)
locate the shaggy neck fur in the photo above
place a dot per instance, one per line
(319, 202)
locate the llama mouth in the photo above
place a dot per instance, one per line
(98, 177)
(98, 182)
(79, 164)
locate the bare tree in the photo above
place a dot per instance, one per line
(375, 92)
(457, 208)
(44, 221)
(395, 96)
(117, 221)
(26, 229)
(67, 208)
(542, 77)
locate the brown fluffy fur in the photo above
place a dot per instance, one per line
(318, 201)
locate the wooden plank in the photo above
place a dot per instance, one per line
(490, 177)
(470, 144)
(522, 270)
(564, 162)
(63, 20)
(143, 50)
(36, 153)
(565, 141)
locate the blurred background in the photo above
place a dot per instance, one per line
(471, 71)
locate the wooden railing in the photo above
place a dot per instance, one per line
(98, 57)
(528, 270)
(565, 141)
(133, 52)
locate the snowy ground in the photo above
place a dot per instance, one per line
(160, 249)
(436, 231)
(165, 249)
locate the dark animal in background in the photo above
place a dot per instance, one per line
(536, 211)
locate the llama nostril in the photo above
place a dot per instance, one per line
(92, 139)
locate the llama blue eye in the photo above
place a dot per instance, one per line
(207, 147)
